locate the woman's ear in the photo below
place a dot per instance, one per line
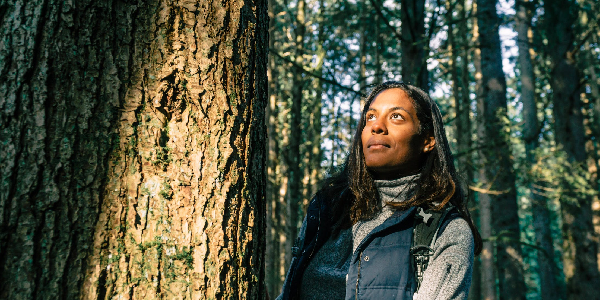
(429, 143)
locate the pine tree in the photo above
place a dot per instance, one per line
(497, 164)
(132, 149)
(581, 247)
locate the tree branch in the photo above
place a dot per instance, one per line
(386, 21)
(323, 79)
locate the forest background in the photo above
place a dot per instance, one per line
(168, 149)
(517, 84)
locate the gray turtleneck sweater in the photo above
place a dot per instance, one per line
(448, 275)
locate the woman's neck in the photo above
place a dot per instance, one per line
(397, 190)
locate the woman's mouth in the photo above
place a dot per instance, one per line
(377, 145)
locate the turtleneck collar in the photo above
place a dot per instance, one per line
(397, 190)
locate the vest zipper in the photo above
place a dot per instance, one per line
(358, 275)
(316, 236)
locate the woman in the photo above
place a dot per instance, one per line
(355, 242)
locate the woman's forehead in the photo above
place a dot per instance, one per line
(392, 97)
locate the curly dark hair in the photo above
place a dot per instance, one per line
(438, 184)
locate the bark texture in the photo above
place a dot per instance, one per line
(133, 153)
(580, 240)
(498, 166)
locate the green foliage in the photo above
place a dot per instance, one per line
(565, 181)
(332, 84)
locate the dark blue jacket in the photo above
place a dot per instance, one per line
(380, 266)
(317, 232)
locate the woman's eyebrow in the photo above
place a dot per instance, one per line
(390, 109)
(397, 108)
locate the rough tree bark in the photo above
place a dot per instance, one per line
(498, 167)
(580, 240)
(132, 149)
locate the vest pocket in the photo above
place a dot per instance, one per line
(384, 267)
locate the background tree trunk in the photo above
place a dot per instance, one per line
(500, 181)
(591, 144)
(134, 161)
(580, 240)
(295, 173)
(362, 79)
(274, 262)
(549, 287)
(377, 69)
(462, 109)
(487, 267)
(314, 140)
(414, 44)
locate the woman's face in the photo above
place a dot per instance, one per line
(391, 142)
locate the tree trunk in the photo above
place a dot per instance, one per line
(549, 287)
(133, 157)
(414, 44)
(487, 267)
(273, 260)
(294, 170)
(594, 145)
(580, 240)
(462, 113)
(315, 140)
(470, 54)
(594, 88)
(462, 103)
(362, 77)
(498, 167)
(378, 53)
(595, 99)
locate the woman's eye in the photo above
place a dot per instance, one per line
(371, 117)
(397, 116)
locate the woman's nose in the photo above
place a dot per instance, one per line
(378, 128)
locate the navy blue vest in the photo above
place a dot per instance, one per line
(380, 267)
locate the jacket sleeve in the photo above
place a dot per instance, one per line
(448, 275)
(300, 241)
